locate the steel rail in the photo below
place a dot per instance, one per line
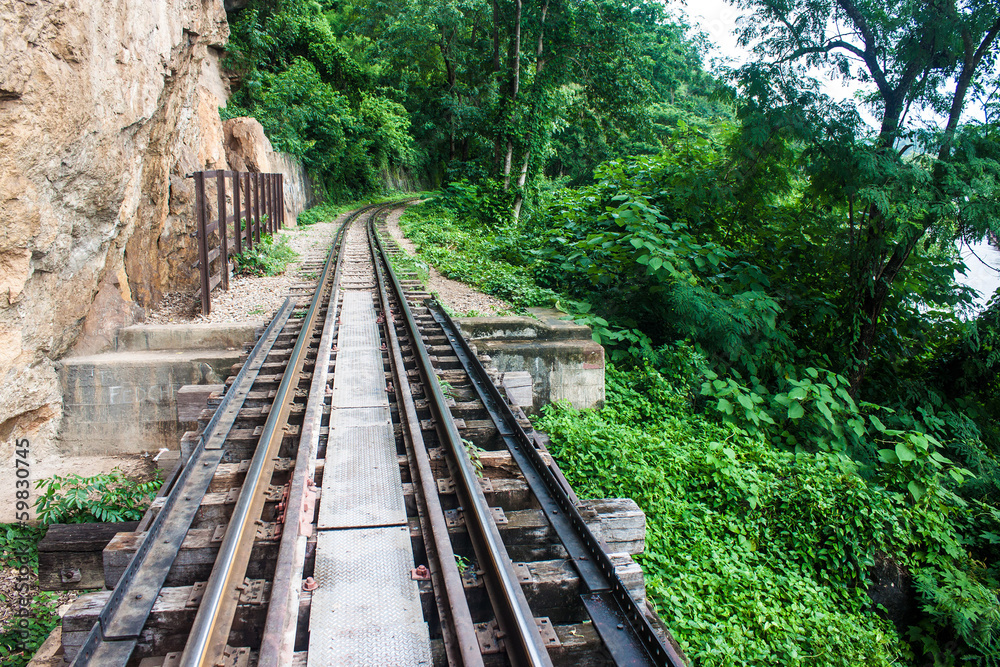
(210, 632)
(278, 641)
(115, 634)
(461, 644)
(522, 640)
(620, 622)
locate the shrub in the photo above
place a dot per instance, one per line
(270, 257)
(107, 497)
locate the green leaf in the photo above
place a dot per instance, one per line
(877, 423)
(795, 411)
(725, 406)
(916, 489)
(904, 453)
(888, 456)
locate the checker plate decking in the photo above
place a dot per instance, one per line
(366, 610)
(370, 607)
(361, 483)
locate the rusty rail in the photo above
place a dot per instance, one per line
(253, 205)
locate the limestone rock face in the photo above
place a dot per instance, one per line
(104, 107)
(248, 149)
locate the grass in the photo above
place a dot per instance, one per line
(471, 256)
(328, 212)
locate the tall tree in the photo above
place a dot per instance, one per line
(914, 177)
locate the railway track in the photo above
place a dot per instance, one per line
(364, 494)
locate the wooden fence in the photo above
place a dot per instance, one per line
(254, 204)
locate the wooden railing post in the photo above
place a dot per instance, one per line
(269, 190)
(274, 200)
(220, 188)
(281, 199)
(199, 202)
(249, 208)
(236, 212)
(256, 206)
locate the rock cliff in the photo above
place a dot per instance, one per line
(104, 107)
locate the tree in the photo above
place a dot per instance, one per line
(911, 180)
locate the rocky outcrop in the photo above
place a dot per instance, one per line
(248, 149)
(104, 107)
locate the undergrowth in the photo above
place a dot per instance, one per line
(269, 257)
(461, 250)
(107, 497)
(748, 548)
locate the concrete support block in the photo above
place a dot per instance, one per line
(147, 337)
(126, 402)
(563, 360)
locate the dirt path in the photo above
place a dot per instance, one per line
(459, 297)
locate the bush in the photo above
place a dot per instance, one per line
(324, 212)
(746, 545)
(270, 257)
(108, 497)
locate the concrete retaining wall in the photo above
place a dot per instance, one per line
(564, 362)
(126, 401)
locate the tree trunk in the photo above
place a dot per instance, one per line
(539, 67)
(514, 88)
(871, 308)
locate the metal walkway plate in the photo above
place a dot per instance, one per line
(361, 482)
(359, 376)
(366, 610)
(370, 607)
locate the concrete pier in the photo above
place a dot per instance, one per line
(564, 361)
(126, 401)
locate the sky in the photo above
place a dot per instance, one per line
(717, 19)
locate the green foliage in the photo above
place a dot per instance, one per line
(19, 544)
(314, 99)
(19, 643)
(460, 250)
(325, 212)
(752, 554)
(267, 258)
(474, 454)
(611, 243)
(483, 204)
(106, 497)
(758, 553)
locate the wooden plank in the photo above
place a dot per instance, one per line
(192, 399)
(213, 255)
(518, 386)
(213, 283)
(82, 536)
(70, 555)
(195, 559)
